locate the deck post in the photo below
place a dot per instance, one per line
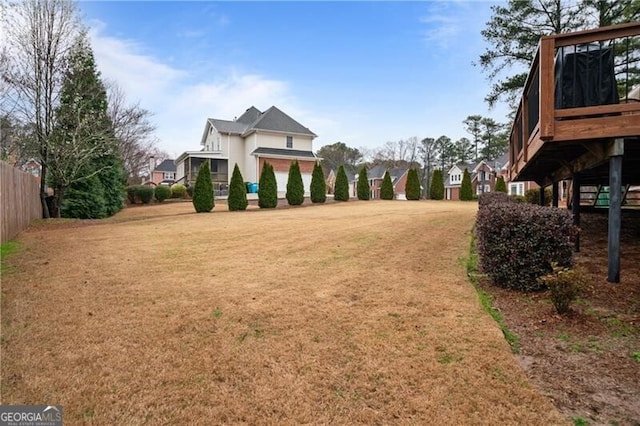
(541, 196)
(615, 211)
(575, 207)
(555, 194)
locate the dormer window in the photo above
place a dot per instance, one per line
(289, 141)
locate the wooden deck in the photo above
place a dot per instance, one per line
(556, 134)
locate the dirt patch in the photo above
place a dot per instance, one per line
(587, 362)
(336, 314)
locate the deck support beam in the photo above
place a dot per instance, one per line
(615, 211)
(541, 200)
(575, 207)
(554, 194)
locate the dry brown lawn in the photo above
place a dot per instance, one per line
(338, 314)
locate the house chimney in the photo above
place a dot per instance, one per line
(152, 166)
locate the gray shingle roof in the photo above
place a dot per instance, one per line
(284, 152)
(272, 119)
(166, 166)
(226, 126)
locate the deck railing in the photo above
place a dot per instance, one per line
(575, 82)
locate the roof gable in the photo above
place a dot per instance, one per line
(166, 166)
(275, 120)
(250, 116)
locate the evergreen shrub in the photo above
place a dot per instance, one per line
(518, 242)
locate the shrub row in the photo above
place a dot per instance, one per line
(137, 194)
(518, 242)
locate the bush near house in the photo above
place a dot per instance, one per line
(162, 192)
(466, 192)
(341, 192)
(267, 188)
(533, 196)
(518, 243)
(413, 185)
(202, 199)
(565, 286)
(501, 185)
(237, 191)
(386, 189)
(295, 187)
(363, 188)
(436, 191)
(318, 185)
(178, 190)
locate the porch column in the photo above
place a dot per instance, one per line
(541, 196)
(575, 207)
(615, 213)
(556, 195)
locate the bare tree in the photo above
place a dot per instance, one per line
(134, 133)
(428, 150)
(38, 34)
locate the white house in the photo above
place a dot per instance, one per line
(249, 141)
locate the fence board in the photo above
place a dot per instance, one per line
(19, 200)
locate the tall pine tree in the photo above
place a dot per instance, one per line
(85, 171)
(202, 199)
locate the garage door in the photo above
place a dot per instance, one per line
(283, 177)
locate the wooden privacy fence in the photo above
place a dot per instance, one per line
(19, 200)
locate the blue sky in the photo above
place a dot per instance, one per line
(363, 73)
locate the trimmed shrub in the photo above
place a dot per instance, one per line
(501, 186)
(413, 185)
(132, 193)
(489, 198)
(363, 188)
(295, 187)
(533, 196)
(162, 192)
(178, 190)
(341, 192)
(518, 198)
(145, 193)
(565, 286)
(202, 199)
(386, 189)
(190, 191)
(518, 243)
(267, 188)
(237, 191)
(466, 192)
(318, 185)
(436, 191)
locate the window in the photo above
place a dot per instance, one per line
(169, 176)
(516, 188)
(289, 141)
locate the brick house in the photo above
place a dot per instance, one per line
(375, 175)
(163, 172)
(249, 141)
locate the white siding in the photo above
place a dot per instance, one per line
(234, 145)
(279, 140)
(179, 170)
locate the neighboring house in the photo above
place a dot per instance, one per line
(483, 176)
(165, 171)
(375, 175)
(249, 141)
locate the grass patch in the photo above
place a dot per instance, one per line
(5, 250)
(636, 356)
(486, 300)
